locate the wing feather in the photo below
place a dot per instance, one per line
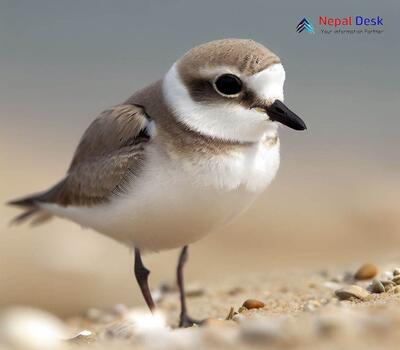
(110, 154)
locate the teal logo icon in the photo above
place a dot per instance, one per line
(305, 26)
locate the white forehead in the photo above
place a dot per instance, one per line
(267, 84)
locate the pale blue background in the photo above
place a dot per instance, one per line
(61, 62)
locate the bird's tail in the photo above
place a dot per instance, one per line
(32, 211)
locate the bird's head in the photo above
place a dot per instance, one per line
(230, 89)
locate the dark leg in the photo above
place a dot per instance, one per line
(185, 320)
(142, 275)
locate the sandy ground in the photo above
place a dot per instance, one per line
(301, 311)
(298, 244)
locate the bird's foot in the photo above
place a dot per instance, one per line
(186, 321)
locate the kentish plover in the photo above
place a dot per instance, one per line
(179, 158)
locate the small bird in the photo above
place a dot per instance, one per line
(179, 158)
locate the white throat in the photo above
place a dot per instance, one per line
(230, 121)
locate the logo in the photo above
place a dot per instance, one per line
(350, 21)
(305, 25)
(342, 25)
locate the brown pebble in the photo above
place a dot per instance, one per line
(352, 292)
(253, 304)
(377, 286)
(396, 271)
(396, 279)
(366, 272)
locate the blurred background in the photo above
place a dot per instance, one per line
(334, 201)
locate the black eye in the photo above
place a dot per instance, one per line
(228, 84)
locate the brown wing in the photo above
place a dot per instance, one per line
(114, 129)
(95, 180)
(109, 155)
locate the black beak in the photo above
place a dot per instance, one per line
(280, 113)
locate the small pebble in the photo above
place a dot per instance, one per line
(352, 292)
(366, 272)
(253, 304)
(396, 271)
(377, 286)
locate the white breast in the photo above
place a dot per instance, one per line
(176, 202)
